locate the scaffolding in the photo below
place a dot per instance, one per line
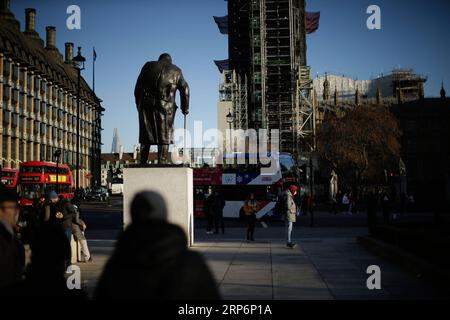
(305, 124)
(234, 89)
(268, 45)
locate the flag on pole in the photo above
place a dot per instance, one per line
(312, 21)
(94, 54)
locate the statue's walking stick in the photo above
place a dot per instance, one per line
(184, 141)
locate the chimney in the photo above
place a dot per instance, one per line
(51, 37)
(69, 52)
(7, 15)
(135, 152)
(30, 20)
(121, 153)
(4, 6)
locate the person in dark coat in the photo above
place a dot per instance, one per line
(11, 250)
(251, 207)
(207, 209)
(63, 215)
(154, 94)
(151, 259)
(386, 208)
(217, 205)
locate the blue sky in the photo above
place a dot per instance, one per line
(126, 34)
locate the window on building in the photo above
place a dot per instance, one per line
(6, 68)
(29, 81)
(15, 74)
(13, 153)
(42, 152)
(36, 83)
(21, 153)
(6, 116)
(21, 123)
(15, 120)
(43, 128)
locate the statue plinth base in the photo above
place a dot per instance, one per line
(174, 183)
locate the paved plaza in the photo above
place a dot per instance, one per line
(326, 264)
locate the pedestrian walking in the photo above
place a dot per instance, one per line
(345, 203)
(309, 203)
(334, 204)
(386, 208)
(351, 204)
(304, 205)
(78, 229)
(209, 214)
(12, 254)
(217, 205)
(250, 210)
(339, 196)
(288, 210)
(371, 202)
(151, 260)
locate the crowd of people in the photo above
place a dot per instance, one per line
(151, 259)
(287, 206)
(343, 203)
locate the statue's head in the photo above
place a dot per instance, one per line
(165, 57)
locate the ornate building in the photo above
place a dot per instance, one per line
(335, 93)
(38, 101)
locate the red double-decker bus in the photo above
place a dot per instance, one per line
(9, 177)
(37, 179)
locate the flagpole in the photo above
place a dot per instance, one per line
(93, 69)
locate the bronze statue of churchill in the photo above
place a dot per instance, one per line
(155, 93)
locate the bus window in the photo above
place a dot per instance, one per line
(27, 169)
(31, 191)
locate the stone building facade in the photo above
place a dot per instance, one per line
(38, 101)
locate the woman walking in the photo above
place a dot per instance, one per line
(250, 210)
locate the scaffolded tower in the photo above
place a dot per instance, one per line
(267, 48)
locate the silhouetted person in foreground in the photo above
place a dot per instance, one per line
(151, 259)
(45, 276)
(11, 250)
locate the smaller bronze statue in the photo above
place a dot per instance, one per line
(155, 93)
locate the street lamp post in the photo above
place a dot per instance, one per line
(57, 155)
(230, 120)
(311, 186)
(78, 63)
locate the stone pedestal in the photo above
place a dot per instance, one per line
(175, 184)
